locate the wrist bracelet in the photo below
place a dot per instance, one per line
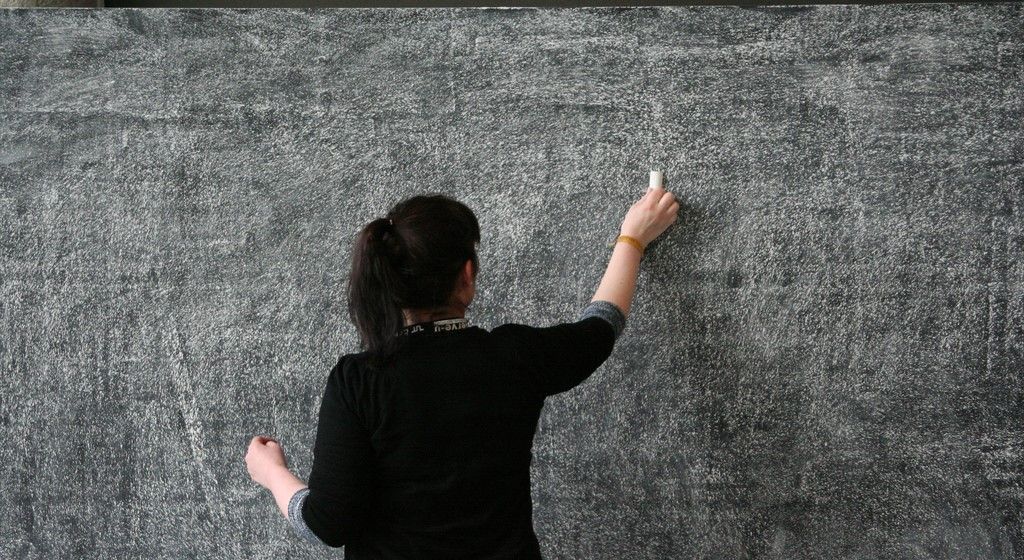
(632, 241)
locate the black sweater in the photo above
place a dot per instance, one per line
(431, 458)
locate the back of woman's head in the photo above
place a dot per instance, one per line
(410, 259)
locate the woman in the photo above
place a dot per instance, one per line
(423, 446)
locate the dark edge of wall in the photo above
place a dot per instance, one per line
(468, 4)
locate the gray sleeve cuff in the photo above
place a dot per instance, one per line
(607, 311)
(295, 517)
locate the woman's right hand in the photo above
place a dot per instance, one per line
(651, 215)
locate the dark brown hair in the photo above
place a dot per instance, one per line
(411, 264)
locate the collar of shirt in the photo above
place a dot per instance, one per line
(438, 326)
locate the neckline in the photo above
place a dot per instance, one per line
(438, 326)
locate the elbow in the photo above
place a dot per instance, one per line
(333, 541)
(297, 520)
(298, 516)
(317, 521)
(610, 312)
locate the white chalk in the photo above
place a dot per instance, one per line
(656, 180)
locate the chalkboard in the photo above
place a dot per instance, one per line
(824, 355)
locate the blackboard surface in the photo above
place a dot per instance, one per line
(824, 356)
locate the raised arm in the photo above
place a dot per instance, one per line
(645, 221)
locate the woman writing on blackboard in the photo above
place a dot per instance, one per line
(423, 445)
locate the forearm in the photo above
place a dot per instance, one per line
(619, 282)
(283, 485)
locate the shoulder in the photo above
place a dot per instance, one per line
(517, 331)
(341, 367)
(513, 333)
(345, 363)
(509, 329)
(346, 375)
(598, 315)
(521, 338)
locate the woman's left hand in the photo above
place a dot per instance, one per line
(264, 458)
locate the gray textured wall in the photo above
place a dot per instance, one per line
(48, 3)
(823, 361)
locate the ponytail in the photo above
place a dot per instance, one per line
(410, 259)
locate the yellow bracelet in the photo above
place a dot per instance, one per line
(632, 241)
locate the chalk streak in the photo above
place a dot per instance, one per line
(183, 391)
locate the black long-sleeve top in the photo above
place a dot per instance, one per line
(431, 458)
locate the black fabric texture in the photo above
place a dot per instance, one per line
(430, 458)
